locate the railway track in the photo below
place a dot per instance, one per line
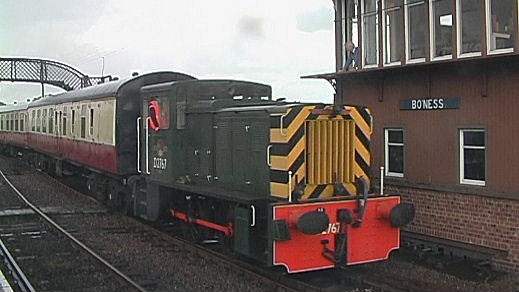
(15, 272)
(38, 225)
(224, 273)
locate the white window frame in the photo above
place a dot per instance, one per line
(355, 33)
(377, 38)
(408, 60)
(462, 157)
(432, 35)
(459, 26)
(386, 152)
(489, 33)
(384, 33)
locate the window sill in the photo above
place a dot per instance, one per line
(442, 58)
(370, 66)
(471, 182)
(414, 61)
(392, 64)
(469, 55)
(500, 51)
(394, 174)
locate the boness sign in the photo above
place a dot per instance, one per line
(439, 103)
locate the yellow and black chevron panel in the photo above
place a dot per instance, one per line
(362, 118)
(287, 152)
(319, 147)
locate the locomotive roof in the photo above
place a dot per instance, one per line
(279, 107)
(215, 87)
(99, 91)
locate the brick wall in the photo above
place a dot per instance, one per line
(472, 219)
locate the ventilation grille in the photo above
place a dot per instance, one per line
(330, 151)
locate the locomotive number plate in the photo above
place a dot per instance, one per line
(160, 163)
(333, 228)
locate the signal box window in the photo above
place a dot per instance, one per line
(472, 157)
(350, 22)
(370, 33)
(501, 25)
(469, 27)
(415, 34)
(393, 30)
(394, 152)
(441, 28)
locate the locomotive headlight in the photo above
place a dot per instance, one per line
(313, 222)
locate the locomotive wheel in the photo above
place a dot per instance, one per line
(125, 204)
(190, 232)
(226, 244)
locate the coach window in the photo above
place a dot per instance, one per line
(16, 122)
(1, 122)
(22, 117)
(369, 33)
(56, 121)
(44, 121)
(415, 30)
(38, 121)
(51, 121)
(472, 157)
(469, 27)
(394, 152)
(73, 121)
(83, 122)
(64, 121)
(12, 122)
(91, 122)
(441, 29)
(393, 24)
(33, 123)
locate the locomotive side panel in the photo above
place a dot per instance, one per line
(240, 152)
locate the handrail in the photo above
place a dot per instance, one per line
(139, 145)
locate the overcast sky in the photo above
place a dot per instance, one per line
(270, 41)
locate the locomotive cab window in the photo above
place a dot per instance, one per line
(472, 157)
(158, 112)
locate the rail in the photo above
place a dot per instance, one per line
(21, 280)
(72, 238)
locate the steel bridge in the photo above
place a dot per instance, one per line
(46, 72)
